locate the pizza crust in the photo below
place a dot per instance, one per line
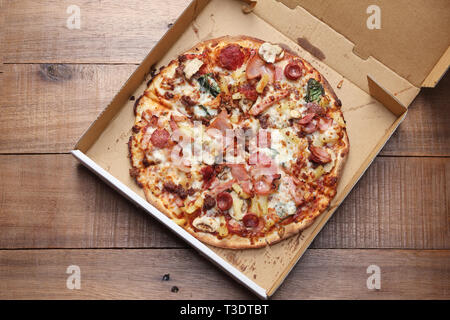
(234, 241)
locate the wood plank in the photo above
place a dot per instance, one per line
(61, 101)
(56, 103)
(426, 129)
(110, 31)
(137, 274)
(71, 208)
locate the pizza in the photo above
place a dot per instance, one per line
(239, 141)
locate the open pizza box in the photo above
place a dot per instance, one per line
(376, 73)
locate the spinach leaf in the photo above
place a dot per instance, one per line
(314, 91)
(204, 109)
(208, 83)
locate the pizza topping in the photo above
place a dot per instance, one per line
(205, 223)
(224, 201)
(209, 84)
(191, 67)
(314, 91)
(239, 172)
(306, 119)
(250, 220)
(325, 123)
(313, 107)
(187, 101)
(160, 137)
(209, 202)
(231, 57)
(256, 67)
(249, 92)
(266, 102)
(208, 175)
(263, 185)
(270, 52)
(175, 189)
(283, 171)
(221, 122)
(319, 155)
(293, 71)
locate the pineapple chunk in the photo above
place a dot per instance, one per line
(262, 83)
(237, 188)
(259, 205)
(237, 96)
(237, 207)
(179, 222)
(223, 230)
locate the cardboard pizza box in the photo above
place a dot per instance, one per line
(376, 73)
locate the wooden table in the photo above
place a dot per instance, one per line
(54, 81)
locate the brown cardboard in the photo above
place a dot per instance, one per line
(413, 37)
(369, 122)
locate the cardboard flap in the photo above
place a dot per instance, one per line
(412, 39)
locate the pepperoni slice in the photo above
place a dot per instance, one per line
(293, 71)
(250, 220)
(160, 137)
(224, 201)
(231, 57)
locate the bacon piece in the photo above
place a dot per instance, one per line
(247, 186)
(220, 187)
(160, 137)
(260, 159)
(295, 192)
(239, 172)
(221, 122)
(325, 123)
(315, 108)
(249, 92)
(306, 119)
(267, 102)
(319, 155)
(293, 71)
(310, 127)
(256, 67)
(231, 57)
(224, 201)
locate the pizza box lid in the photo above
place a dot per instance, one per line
(410, 37)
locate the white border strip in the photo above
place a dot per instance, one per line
(186, 236)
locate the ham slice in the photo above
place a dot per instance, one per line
(325, 123)
(266, 102)
(220, 187)
(256, 67)
(221, 122)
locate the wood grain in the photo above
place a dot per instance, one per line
(59, 102)
(137, 274)
(110, 31)
(49, 201)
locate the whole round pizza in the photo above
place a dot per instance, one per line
(239, 141)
